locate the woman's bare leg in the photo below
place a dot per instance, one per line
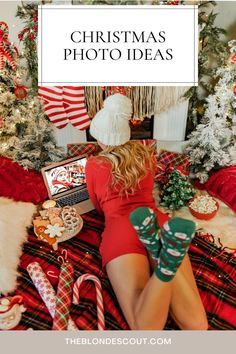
(186, 306)
(144, 300)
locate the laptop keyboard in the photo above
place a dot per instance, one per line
(73, 198)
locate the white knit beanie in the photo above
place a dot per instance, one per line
(110, 125)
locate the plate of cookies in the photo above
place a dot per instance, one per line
(54, 224)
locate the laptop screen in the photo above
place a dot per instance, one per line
(66, 177)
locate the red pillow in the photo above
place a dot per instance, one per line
(20, 184)
(222, 185)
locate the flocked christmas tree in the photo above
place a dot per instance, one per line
(177, 192)
(211, 55)
(26, 135)
(213, 144)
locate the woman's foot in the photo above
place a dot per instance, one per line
(144, 221)
(176, 236)
(168, 245)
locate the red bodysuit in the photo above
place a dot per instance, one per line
(119, 236)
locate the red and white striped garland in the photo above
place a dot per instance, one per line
(98, 287)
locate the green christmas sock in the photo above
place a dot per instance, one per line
(176, 236)
(144, 221)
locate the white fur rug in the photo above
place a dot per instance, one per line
(14, 218)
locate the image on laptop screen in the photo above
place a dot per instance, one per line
(67, 176)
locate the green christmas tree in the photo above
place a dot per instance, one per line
(177, 192)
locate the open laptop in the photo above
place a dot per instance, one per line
(66, 183)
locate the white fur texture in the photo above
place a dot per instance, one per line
(223, 225)
(14, 218)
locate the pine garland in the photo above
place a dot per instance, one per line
(28, 35)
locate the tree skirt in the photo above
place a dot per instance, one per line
(215, 274)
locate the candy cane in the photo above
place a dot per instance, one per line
(5, 51)
(46, 290)
(98, 287)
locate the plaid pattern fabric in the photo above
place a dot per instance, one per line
(215, 274)
(168, 161)
(173, 158)
(93, 148)
(64, 297)
(82, 149)
(84, 255)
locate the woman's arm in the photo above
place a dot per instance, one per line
(91, 174)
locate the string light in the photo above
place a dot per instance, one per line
(4, 146)
(31, 104)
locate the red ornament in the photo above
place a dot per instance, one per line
(20, 92)
(233, 59)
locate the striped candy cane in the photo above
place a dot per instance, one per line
(100, 307)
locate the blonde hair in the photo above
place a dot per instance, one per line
(130, 163)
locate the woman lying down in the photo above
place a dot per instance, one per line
(144, 253)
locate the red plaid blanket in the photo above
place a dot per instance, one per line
(84, 255)
(215, 274)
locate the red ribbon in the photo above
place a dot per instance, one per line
(163, 172)
(5, 54)
(17, 299)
